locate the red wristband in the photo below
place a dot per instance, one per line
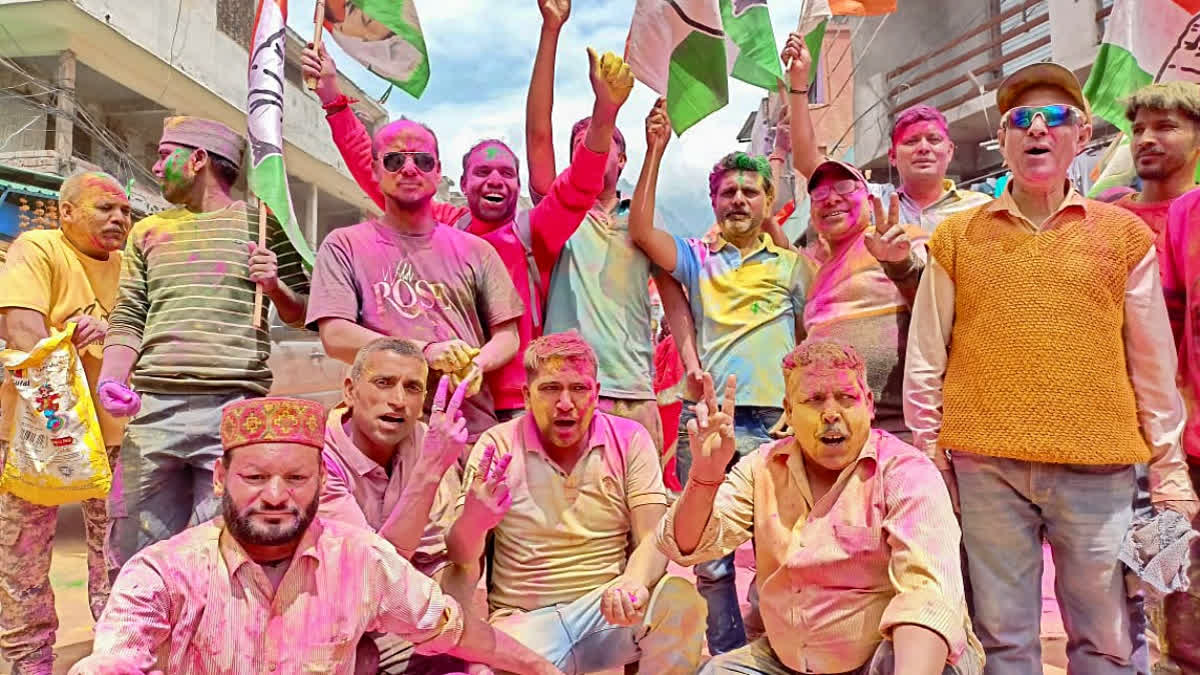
(337, 104)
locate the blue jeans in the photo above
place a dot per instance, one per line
(1137, 601)
(1083, 512)
(715, 579)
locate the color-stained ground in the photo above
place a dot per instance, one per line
(69, 576)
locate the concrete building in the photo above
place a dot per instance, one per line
(87, 83)
(954, 55)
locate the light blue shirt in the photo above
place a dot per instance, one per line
(600, 287)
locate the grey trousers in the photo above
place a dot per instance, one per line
(163, 480)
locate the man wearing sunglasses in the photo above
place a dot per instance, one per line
(1059, 379)
(528, 242)
(404, 275)
(921, 151)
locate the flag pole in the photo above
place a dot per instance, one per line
(262, 243)
(799, 27)
(318, 27)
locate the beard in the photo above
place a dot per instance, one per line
(245, 531)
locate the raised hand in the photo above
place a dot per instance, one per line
(783, 130)
(88, 330)
(554, 12)
(624, 603)
(264, 267)
(887, 241)
(447, 435)
(317, 64)
(658, 126)
(710, 435)
(488, 497)
(611, 79)
(795, 53)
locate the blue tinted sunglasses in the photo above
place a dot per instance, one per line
(1055, 115)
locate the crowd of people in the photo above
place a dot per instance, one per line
(897, 409)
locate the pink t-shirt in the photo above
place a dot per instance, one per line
(433, 287)
(1181, 286)
(1153, 214)
(540, 234)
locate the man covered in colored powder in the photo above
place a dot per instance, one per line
(1181, 285)
(1165, 138)
(921, 151)
(528, 242)
(1040, 370)
(53, 278)
(388, 472)
(562, 493)
(862, 290)
(747, 301)
(600, 286)
(1165, 135)
(183, 327)
(406, 275)
(270, 586)
(855, 535)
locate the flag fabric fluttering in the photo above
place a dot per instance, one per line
(813, 20)
(1146, 41)
(384, 36)
(862, 7)
(266, 176)
(688, 49)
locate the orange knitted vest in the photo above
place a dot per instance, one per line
(1037, 358)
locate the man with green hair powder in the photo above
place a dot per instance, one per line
(747, 302)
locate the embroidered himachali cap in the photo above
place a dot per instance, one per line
(197, 132)
(273, 420)
(1036, 74)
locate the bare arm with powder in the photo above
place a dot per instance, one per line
(805, 156)
(539, 104)
(625, 602)
(658, 245)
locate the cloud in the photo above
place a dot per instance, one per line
(481, 59)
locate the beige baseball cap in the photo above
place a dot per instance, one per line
(1035, 74)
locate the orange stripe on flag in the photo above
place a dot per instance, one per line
(870, 7)
(1189, 6)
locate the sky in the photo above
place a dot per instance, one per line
(481, 60)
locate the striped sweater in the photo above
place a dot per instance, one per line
(186, 301)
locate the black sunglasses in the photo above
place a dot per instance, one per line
(394, 161)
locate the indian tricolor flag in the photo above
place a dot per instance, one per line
(266, 176)
(687, 50)
(1146, 41)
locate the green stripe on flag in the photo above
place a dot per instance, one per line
(1115, 75)
(268, 180)
(697, 83)
(757, 60)
(813, 40)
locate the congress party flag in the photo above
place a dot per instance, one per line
(687, 50)
(267, 177)
(1146, 41)
(383, 35)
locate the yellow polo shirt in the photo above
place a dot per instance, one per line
(566, 533)
(47, 274)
